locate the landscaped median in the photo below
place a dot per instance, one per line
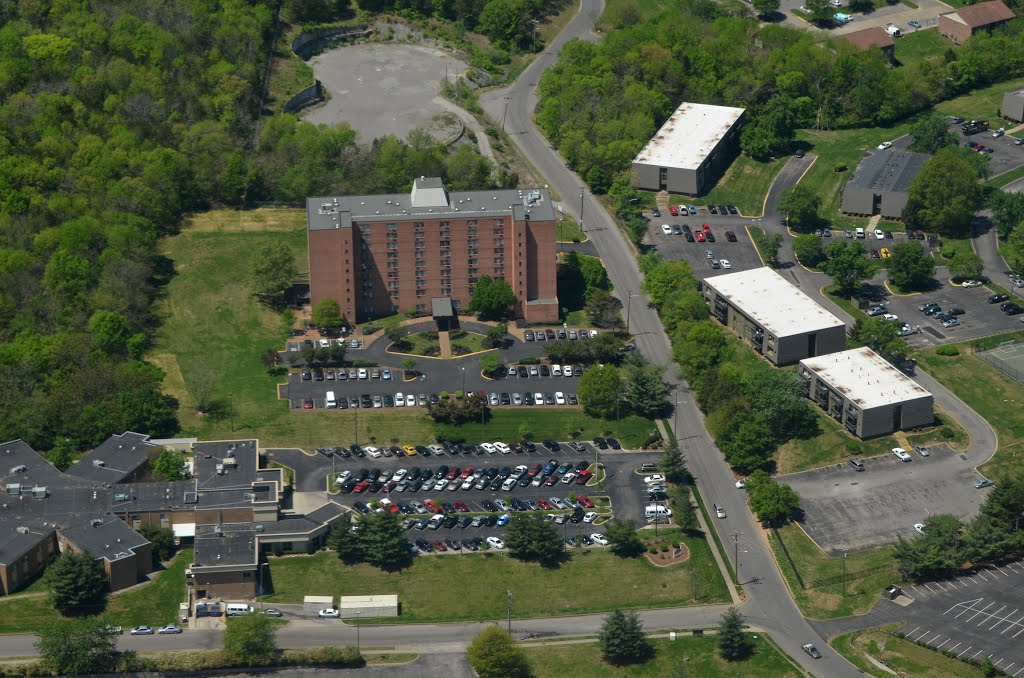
(473, 586)
(872, 650)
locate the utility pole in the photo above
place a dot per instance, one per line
(505, 112)
(844, 572)
(509, 597)
(582, 192)
(355, 411)
(231, 410)
(693, 577)
(736, 552)
(357, 631)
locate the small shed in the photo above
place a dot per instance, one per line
(368, 606)
(443, 312)
(316, 603)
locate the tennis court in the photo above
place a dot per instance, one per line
(1008, 358)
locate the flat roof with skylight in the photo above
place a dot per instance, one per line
(689, 135)
(865, 378)
(768, 299)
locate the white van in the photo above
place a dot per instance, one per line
(236, 609)
(509, 483)
(893, 31)
(653, 510)
(330, 400)
(860, 233)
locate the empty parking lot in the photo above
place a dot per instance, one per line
(976, 615)
(846, 509)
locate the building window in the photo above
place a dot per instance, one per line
(471, 222)
(499, 222)
(499, 260)
(499, 250)
(392, 227)
(421, 293)
(393, 256)
(421, 307)
(444, 224)
(418, 225)
(364, 228)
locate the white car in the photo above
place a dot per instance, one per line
(884, 145)
(719, 511)
(538, 398)
(495, 543)
(919, 527)
(141, 631)
(740, 484)
(890, 316)
(362, 373)
(428, 484)
(557, 503)
(725, 263)
(589, 517)
(666, 229)
(502, 447)
(971, 283)
(329, 613)
(995, 135)
(373, 452)
(440, 484)
(342, 477)
(170, 628)
(566, 370)
(467, 484)
(399, 399)
(559, 398)
(923, 451)
(410, 400)
(489, 448)
(650, 480)
(901, 454)
(568, 478)
(325, 343)
(556, 370)
(879, 235)
(598, 538)
(520, 470)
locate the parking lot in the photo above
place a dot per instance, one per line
(741, 255)
(979, 319)
(623, 485)
(847, 509)
(1004, 154)
(976, 615)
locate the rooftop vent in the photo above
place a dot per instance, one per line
(20, 468)
(98, 462)
(21, 529)
(96, 522)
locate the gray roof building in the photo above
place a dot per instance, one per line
(1013, 105)
(880, 183)
(116, 459)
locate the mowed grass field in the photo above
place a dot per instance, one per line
(902, 656)
(153, 604)
(867, 573)
(473, 585)
(685, 656)
(997, 398)
(214, 331)
(745, 184)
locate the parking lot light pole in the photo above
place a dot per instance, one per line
(463, 382)
(357, 631)
(582, 193)
(844, 573)
(508, 598)
(504, 113)
(736, 552)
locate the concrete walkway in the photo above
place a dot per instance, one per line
(445, 341)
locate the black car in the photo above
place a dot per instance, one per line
(348, 486)
(722, 209)
(374, 474)
(523, 372)
(572, 399)
(996, 298)
(709, 236)
(441, 472)
(529, 446)
(491, 473)
(450, 522)
(361, 507)
(732, 209)
(490, 521)
(424, 545)
(577, 516)
(423, 451)
(1013, 309)
(464, 522)
(601, 443)
(446, 506)
(505, 399)
(473, 544)
(933, 310)
(306, 375)
(415, 485)
(434, 398)
(525, 481)
(528, 399)
(552, 445)
(799, 153)
(582, 466)
(488, 505)
(318, 375)
(712, 209)
(389, 400)
(365, 401)
(677, 229)
(361, 475)
(544, 371)
(688, 236)
(614, 444)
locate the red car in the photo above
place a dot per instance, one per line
(307, 404)
(673, 210)
(584, 501)
(706, 228)
(453, 473)
(361, 487)
(700, 236)
(875, 254)
(534, 470)
(467, 472)
(460, 506)
(730, 236)
(543, 503)
(439, 545)
(432, 506)
(583, 477)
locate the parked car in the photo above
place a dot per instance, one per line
(811, 650)
(170, 628)
(495, 543)
(971, 283)
(141, 631)
(978, 484)
(901, 454)
(598, 538)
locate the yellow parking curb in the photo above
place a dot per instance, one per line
(885, 283)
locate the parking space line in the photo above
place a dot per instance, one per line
(917, 590)
(955, 646)
(982, 575)
(965, 651)
(1012, 624)
(1000, 571)
(929, 587)
(976, 654)
(1007, 667)
(991, 614)
(1018, 671)
(978, 612)
(912, 632)
(929, 642)
(1001, 660)
(1019, 632)
(1005, 617)
(923, 634)
(944, 642)
(966, 609)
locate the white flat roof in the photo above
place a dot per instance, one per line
(865, 378)
(354, 602)
(689, 135)
(772, 302)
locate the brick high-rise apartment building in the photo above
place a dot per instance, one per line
(382, 254)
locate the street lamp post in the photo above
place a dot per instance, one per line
(508, 598)
(231, 410)
(736, 552)
(505, 112)
(355, 412)
(463, 382)
(844, 573)
(582, 192)
(357, 631)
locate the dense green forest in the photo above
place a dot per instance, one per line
(116, 118)
(602, 102)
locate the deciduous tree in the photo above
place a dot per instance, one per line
(250, 639)
(493, 653)
(808, 249)
(847, 264)
(79, 646)
(271, 271)
(931, 134)
(161, 540)
(766, 7)
(622, 639)
(882, 336)
(170, 465)
(800, 205)
(492, 298)
(600, 390)
(623, 539)
(532, 537)
(326, 314)
(945, 194)
(965, 265)
(774, 502)
(910, 267)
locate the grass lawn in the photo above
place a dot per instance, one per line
(995, 397)
(981, 104)
(567, 229)
(153, 604)
(834, 445)
(1007, 177)
(464, 343)
(420, 343)
(288, 73)
(903, 656)
(646, 8)
(698, 654)
(745, 184)
(920, 46)
(558, 423)
(427, 594)
(867, 573)
(951, 246)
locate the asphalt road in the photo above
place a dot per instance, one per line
(768, 603)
